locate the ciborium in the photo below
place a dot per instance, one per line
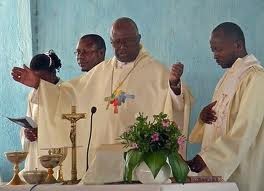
(61, 151)
(35, 176)
(16, 158)
(50, 161)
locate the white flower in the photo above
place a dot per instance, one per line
(137, 115)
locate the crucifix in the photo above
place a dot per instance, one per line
(73, 117)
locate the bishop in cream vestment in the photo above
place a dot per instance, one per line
(147, 81)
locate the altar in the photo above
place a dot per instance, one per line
(226, 186)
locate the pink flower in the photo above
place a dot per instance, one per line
(165, 123)
(181, 141)
(135, 145)
(155, 137)
(127, 130)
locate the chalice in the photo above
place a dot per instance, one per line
(16, 158)
(50, 161)
(61, 151)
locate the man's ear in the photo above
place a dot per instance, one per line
(102, 52)
(139, 37)
(239, 45)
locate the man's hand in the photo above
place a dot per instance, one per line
(196, 164)
(175, 77)
(31, 134)
(208, 115)
(176, 73)
(25, 76)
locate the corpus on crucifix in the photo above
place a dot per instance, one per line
(73, 117)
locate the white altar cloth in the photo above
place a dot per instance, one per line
(127, 187)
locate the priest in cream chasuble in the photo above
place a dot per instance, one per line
(231, 127)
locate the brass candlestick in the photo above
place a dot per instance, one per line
(62, 151)
(16, 158)
(73, 117)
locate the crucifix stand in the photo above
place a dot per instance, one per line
(73, 117)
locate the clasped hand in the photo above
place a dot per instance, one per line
(196, 164)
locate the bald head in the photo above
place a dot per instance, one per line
(124, 24)
(125, 39)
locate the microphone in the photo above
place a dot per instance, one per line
(93, 110)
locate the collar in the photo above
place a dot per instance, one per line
(242, 62)
(121, 65)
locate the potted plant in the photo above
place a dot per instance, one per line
(154, 143)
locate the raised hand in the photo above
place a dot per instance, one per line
(208, 115)
(176, 73)
(175, 77)
(25, 76)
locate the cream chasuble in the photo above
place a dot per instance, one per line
(32, 162)
(146, 80)
(232, 146)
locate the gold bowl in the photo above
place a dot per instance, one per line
(16, 156)
(49, 162)
(35, 176)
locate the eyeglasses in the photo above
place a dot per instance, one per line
(84, 52)
(126, 41)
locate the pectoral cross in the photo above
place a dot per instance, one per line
(117, 99)
(73, 117)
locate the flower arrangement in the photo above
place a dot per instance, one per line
(154, 142)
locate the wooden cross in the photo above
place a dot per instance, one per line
(73, 117)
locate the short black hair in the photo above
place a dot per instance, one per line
(48, 61)
(231, 30)
(97, 39)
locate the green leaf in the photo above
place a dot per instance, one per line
(155, 160)
(179, 167)
(133, 159)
